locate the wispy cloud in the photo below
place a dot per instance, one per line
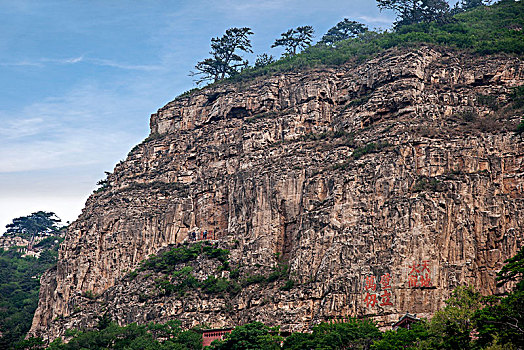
(71, 60)
(110, 63)
(377, 19)
(21, 64)
(260, 5)
(67, 131)
(13, 129)
(82, 59)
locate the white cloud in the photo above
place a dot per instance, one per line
(13, 129)
(71, 60)
(260, 5)
(21, 64)
(81, 59)
(377, 19)
(110, 63)
(88, 125)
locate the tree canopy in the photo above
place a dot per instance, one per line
(225, 60)
(295, 39)
(38, 223)
(350, 334)
(263, 60)
(252, 336)
(19, 286)
(502, 320)
(343, 30)
(152, 336)
(417, 11)
(465, 5)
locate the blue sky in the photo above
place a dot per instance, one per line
(79, 80)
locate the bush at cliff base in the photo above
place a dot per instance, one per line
(147, 337)
(19, 287)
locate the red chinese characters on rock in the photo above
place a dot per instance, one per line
(370, 284)
(419, 275)
(370, 287)
(385, 286)
(372, 293)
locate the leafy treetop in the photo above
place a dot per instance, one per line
(38, 223)
(295, 39)
(468, 4)
(343, 30)
(225, 60)
(251, 336)
(417, 11)
(513, 271)
(263, 60)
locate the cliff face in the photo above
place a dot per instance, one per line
(383, 185)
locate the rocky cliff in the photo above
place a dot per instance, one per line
(382, 184)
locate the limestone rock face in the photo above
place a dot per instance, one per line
(384, 185)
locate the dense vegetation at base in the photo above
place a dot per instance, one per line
(19, 287)
(164, 336)
(498, 28)
(468, 321)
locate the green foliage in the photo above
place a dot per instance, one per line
(180, 281)
(89, 295)
(343, 30)
(403, 338)
(188, 92)
(104, 321)
(426, 184)
(225, 61)
(417, 11)
(483, 30)
(234, 274)
(19, 287)
(513, 271)
(251, 336)
(451, 327)
(350, 334)
(253, 279)
(295, 39)
(466, 5)
(213, 285)
(167, 262)
(517, 97)
(359, 101)
(215, 253)
(51, 242)
(104, 183)
(29, 343)
(281, 271)
(488, 100)
(520, 127)
(38, 223)
(288, 285)
(263, 60)
(260, 116)
(132, 275)
(501, 322)
(369, 148)
(133, 337)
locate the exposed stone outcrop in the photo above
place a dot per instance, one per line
(393, 180)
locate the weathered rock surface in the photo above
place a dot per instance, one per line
(405, 166)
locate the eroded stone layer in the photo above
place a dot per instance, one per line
(383, 184)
